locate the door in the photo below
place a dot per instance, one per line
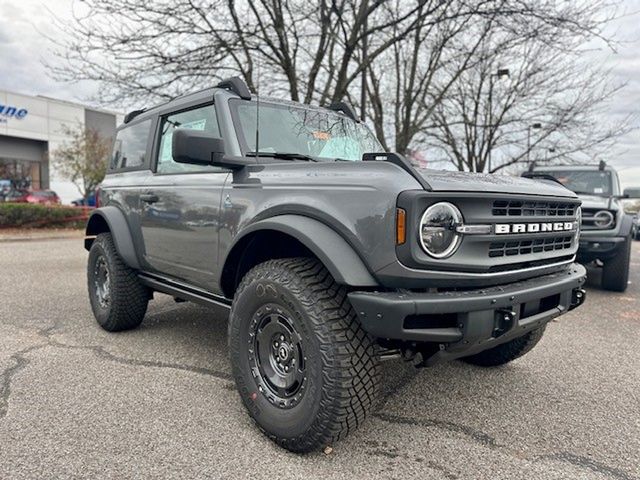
(181, 206)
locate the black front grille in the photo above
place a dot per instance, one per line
(524, 247)
(523, 208)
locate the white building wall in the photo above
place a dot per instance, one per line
(44, 121)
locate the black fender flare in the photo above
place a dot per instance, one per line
(342, 261)
(116, 223)
(626, 224)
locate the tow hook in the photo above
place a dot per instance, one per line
(578, 297)
(504, 320)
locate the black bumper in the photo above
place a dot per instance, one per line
(467, 322)
(599, 248)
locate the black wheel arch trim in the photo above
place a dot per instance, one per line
(335, 253)
(119, 229)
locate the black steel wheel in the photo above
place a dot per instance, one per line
(305, 369)
(101, 282)
(276, 353)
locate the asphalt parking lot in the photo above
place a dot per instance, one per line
(159, 401)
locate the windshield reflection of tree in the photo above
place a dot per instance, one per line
(311, 124)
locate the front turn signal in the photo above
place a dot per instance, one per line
(401, 226)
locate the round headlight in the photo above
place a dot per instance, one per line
(438, 235)
(603, 219)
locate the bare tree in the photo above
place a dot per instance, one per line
(528, 95)
(417, 60)
(83, 158)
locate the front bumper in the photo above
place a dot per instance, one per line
(467, 322)
(598, 247)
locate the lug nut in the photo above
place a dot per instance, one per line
(282, 338)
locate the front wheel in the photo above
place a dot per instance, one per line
(615, 272)
(305, 369)
(508, 351)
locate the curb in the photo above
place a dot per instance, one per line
(9, 239)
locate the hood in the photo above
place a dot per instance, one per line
(444, 180)
(596, 202)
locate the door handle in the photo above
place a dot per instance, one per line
(149, 197)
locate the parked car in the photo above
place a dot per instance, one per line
(607, 231)
(635, 228)
(16, 196)
(329, 253)
(90, 201)
(43, 197)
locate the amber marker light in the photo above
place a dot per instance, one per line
(401, 226)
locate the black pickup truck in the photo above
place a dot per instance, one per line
(329, 253)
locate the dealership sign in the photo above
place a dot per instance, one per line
(7, 112)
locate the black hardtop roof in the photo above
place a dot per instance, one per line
(234, 85)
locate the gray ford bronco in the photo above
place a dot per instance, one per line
(607, 231)
(329, 253)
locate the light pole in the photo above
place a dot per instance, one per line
(536, 126)
(547, 152)
(502, 72)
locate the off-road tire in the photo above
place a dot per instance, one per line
(615, 272)
(342, 363)
(128, 298)
(507, 352)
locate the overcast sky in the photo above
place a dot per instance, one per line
(27, 23)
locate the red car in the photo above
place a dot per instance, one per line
(45, 197)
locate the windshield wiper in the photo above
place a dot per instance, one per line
(579, 192)
(282, 155)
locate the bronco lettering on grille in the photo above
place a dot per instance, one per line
(504, 228)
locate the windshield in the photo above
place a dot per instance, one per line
(594, 182)
(307, 131)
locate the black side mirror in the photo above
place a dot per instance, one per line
(631, 192)
(196, 147)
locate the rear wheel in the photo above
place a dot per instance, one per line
(507, 352)
(305, 369)
(615, 272)
(118, 299)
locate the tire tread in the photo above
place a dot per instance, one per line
(349, 358)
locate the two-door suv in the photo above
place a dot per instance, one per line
(607, 231)
(329, 253)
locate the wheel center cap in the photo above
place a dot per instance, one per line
(284, 351)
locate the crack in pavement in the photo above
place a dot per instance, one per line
(587, 463)
(476, 435)
(105, 354)
(20, 361)
(488, 441)
(383, 449)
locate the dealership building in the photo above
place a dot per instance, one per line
(31, 129)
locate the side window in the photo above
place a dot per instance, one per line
(201, 118)
(130, 148)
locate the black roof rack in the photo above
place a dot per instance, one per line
(345, 108)
(131, 115)
(237, 86)
(602, 165)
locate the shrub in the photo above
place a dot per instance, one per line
(28, 215)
